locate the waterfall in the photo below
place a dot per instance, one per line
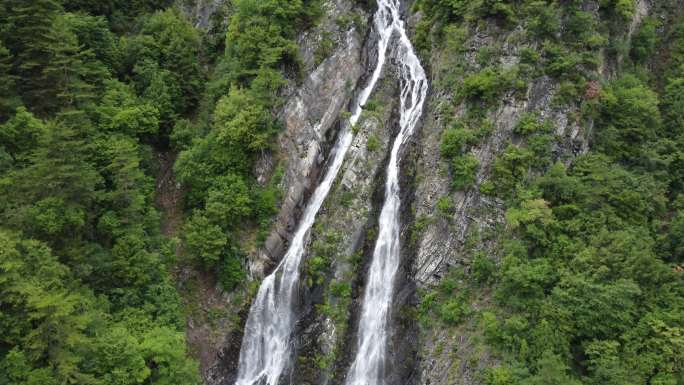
(267, 343)
(368, 367)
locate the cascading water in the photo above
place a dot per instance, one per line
(368, 367)
(266, 345)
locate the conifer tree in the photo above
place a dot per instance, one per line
(8, 97)
(67, 70)
(26, 31)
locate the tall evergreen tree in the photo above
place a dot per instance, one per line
(67, 71)
(26, 31)
(8, 97)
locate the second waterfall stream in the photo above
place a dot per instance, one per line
(266, 349)
(368, 367)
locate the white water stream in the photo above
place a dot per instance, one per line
(267, 343)
(369, 366)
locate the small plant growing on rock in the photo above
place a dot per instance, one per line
(444, 206)
(464, 171)
(453, 141)
(373, 143)
(530, 123)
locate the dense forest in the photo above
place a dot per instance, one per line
(584, 283)
(90, 93)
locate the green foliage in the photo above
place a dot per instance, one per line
(463, 166)
(543, 19)
(486, 85)
(502, 375)
(231, 273)
(324, 49)
(229, 201)
(163, 61)
(645, 40)
(453, 311)
(454, 140)
(623, 9)
(324, 250)
(56, 330)
(261, 34)
(448, 302)
(673, 106)
(551, 370)
(70, 68)
(464, 170)
(373, 143)
(509, 169)
(8, 93)
(444, 206)
(26, 27)
(529, 124)
(87, 296)
(587, 276)
(205, 241)
(451, 10)
(241, 129)
(120, 110)
(483, 268)
(583, 258)
(628, 118)
(21, 133)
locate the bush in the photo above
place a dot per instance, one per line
(452, 311)
(205, 242)
(464, 170)
(483, 268)
(231, 273)
(530, 123)
(645, 41)
(628, 118)
(445, 206)
(373, 143)
(543, 19)
(454, 140)
(485, 85)
(229, 202)
(510, 169)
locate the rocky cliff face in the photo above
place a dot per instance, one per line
(450, 239)
(312, 117)
(334, 56)
(442, 228)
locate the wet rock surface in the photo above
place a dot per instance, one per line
(311, 121)
(312, 117)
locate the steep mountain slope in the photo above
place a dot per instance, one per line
(520, 93)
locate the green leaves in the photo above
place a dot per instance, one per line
(122, 111)
(164, 353)
(241, 122)
(21, 133)
(552, 370)
(464, 171)
(164, 57)
(629, 116)
(453, 147)
(261, 34)
(229, 201)
(454, 140)
(584, 253)
(205, 241)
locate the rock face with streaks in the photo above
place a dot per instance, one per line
(448, 240)
(311, 119)
(337, 56)
(334, 56)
